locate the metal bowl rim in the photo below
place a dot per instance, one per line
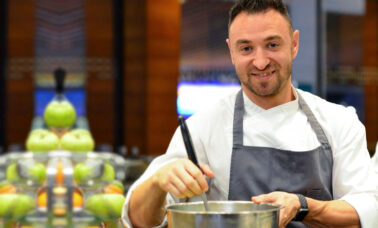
(278, 207)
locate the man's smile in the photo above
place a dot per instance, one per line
(263, 75)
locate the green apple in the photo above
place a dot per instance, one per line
(82, 172)
(114, 204)
(59, 114)
(105, 206)
(37, 172)
(7, 202)
(79, 140)
(109, 173)
(41, 140)
(12, 173)
(95, 204)
(15, 205)
(24, 204)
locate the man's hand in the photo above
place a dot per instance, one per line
(182, 178)
(289, 205)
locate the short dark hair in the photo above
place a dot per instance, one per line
(257, 6)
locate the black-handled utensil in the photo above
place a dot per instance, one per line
(187, 141)
(190, 151)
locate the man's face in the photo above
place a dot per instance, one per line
(262, 48)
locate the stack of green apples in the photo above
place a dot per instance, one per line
(76, 140)
(106, 202)
(60, 116)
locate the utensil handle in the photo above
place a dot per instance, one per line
(190, 151)
(187, 141)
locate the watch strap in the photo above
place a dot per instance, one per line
(303, 210)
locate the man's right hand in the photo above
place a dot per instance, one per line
(182, 178)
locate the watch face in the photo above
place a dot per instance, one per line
(301, 214)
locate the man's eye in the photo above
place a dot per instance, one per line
(272, 45)
(245, 49)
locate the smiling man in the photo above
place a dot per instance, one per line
(262, 53)
(269, 143)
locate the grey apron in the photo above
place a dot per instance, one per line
(261, 170)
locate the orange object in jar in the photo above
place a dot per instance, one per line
(42, 199)
(77, 199)
(8, 189)
(59, 173)
(112, 189)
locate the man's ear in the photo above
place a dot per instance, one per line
(229, 48)
(295, 44)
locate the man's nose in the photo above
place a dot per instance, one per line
(261, 60)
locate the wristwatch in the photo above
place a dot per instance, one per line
(303, 210)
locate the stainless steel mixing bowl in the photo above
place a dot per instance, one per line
(223, 214)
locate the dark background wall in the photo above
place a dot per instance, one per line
(370, 62)
(19, 81)
(151, 55)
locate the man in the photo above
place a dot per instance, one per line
(267, 143)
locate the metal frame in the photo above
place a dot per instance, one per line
(118, 31)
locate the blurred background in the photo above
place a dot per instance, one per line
(134, 65)
(131, 67)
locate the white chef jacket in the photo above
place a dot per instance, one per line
(282, 127)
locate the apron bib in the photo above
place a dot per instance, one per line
(261, 170)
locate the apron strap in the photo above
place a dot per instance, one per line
(238, 119)
(313, 122)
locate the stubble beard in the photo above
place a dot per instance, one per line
(261, 88)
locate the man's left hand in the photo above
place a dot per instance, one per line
(289, 205)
